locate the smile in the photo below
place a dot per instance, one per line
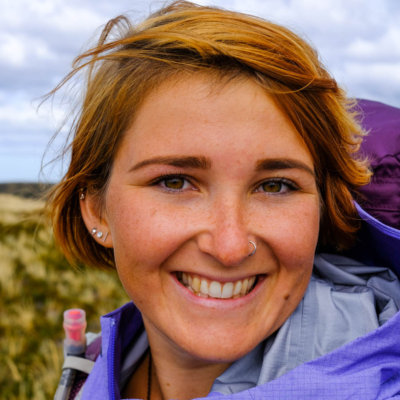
(203, 287)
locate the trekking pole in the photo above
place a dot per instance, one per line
(74, 345)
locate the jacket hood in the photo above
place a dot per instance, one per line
(379, 203)
(381, 198)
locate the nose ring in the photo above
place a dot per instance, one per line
(255, 248)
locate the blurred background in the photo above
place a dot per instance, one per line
(358, 40)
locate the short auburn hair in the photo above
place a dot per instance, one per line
(129, 61)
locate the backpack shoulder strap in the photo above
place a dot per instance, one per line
(83, 365)
(78, 363)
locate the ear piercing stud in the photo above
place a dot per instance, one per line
(94, 232)
(82, 194)
(99, 234)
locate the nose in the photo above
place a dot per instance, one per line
(226, 236)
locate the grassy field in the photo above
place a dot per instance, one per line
(36, 286)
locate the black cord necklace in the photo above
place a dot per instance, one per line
(149, 378)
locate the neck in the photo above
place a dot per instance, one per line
(171, 377)
(171, 381)
(177, 375)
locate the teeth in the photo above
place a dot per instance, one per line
(205, 288)
(251, 282)
(245, 285)
(196, 284)
(227, 290)
(214, 289)
(238, 288)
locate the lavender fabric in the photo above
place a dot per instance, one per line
(381, 198)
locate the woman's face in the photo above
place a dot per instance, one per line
(203, 170)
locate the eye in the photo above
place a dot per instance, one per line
(173, 183)
(277, 186)
(272, 187)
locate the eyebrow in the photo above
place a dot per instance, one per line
(201, 162)
(175, 161)
(278, 164)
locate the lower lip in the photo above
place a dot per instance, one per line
(220, 303)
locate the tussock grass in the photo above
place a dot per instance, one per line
(36, 285)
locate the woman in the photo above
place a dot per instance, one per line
(212, 156)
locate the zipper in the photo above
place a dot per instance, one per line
(112, 361)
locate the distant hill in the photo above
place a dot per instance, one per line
(26, 190)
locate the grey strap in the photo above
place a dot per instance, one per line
(78, 363)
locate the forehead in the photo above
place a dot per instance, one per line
(199, 114)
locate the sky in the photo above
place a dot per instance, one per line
(358, 41)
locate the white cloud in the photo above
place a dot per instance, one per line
(12, 50)
(383, 80)
(384, 47)
(358, 41)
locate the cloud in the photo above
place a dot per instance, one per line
(358, 41)
(385, 47)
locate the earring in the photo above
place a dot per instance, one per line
(82, 194)
(99, 234)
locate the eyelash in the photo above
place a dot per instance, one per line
(161, 180)
(290, 186)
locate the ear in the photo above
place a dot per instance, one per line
(96, 224)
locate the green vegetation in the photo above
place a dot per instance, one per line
(27, 190)
(36, 285)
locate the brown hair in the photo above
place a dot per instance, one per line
(185, 38)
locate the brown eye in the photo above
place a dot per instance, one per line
(272, 187)
(174, 183)
(277, 186)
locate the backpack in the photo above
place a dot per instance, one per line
(81, 367)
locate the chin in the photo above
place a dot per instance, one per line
(219, 348)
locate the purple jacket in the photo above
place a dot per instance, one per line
(367, 368)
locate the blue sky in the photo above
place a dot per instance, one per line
(358, 41)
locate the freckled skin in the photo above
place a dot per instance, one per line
(205, 228)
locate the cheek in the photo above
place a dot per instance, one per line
(302, 233)
(294, 246)
(293, 230)
(144, 235)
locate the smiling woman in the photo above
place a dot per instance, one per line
(170, 217)
(212, 157)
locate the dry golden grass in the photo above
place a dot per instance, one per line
(36, 285)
